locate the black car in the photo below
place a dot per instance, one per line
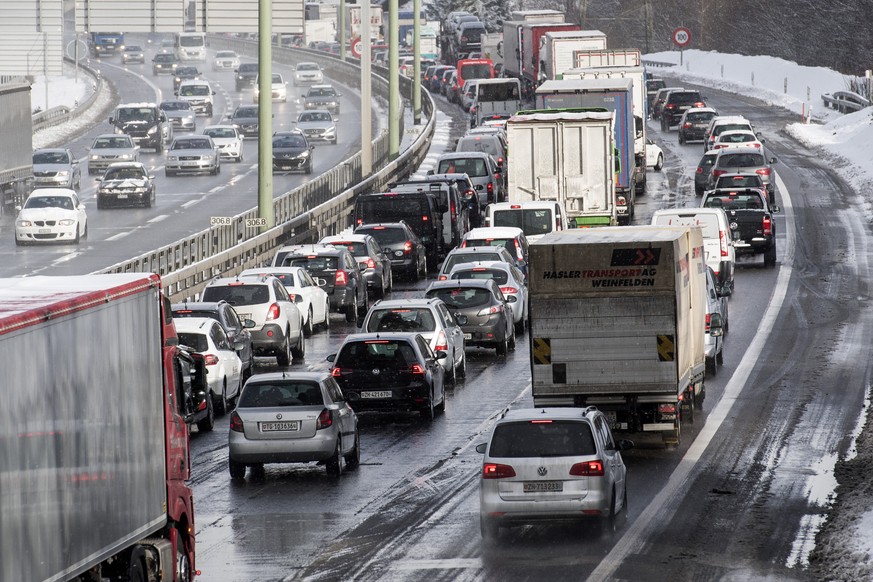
(164, 64)
(469, 198)
(245, 118)
(455, 216)
(292, 152)
(322, 97)
(335, 270)
(481, 310)
(126, 184)
(184, 73)
(246, 75)
(694, 122)
(237, 329)
(701, 175)
(402, 245)
(676, 104)
(390, 371)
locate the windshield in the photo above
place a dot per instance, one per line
(478, 71)
(321, 93)
(198, 90)
(385, 236)
(473, 167)
(268, 394)
(535, 439)
(461, 297)
(121, 142)
(176, 106)
(314, 116)
(191, 144)
(246, 112)
(289, 141)
(146, 114)
(313, 264)
(412, 320)
(196, 40)
(49, 202)
(164, 58)
(531, 222)
(221, 132)
(124, 174)
(225, 55)
(307, 67)
(51, 158)
(238, 294)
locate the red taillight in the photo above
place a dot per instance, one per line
(441, 343)
(469, 193)
(416, 369)
(509, 290)
(707, 323)
(371, 264)
(273, 312)
(424, 218)
(500, 161)
(443, 278)
(670, 106)
(463, 39)
(497, 471)
(723, 242)
(336, 372)
(767, 225)
(341, 278)
(407, 247)
(763, 171)
(700, 104)
(359, 221)
(463, 244)
(210, 359)
(717, 173)
(686, 125)
(587, 469)
(236, 423)
(490, 187)
(453, 209)
(324, 420)
(699, 169)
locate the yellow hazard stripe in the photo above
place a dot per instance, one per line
(666, 348)
(542, 350)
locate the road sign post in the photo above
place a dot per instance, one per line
(681, 37)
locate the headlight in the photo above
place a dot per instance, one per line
(24, 223)
(172, 158)
(63, 174)
(95, 157)
(125, 156)
(153, 129)
(303, 154)
(67, 222)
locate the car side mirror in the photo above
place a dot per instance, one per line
(80, 207)
(441, 355)
(773, 161)
(724, 290)
(238, 344)
(111, 120)
(151, 177)
(362, 267)
(715, 325)
(624, 445)
(481, 447)
(461, 319)
(775, 209)
(430, 172)
(511, 299)
(213, 92)
(331, 358)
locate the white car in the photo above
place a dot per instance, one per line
(508, 277)
(312, 301)
(308, 73)
(278, 88)
(225, 61)
(737, 138)
(51, 215)
(654, 156)
(228, 139)
(206, 336)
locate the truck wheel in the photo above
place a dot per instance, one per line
(770, 256)
(237, 470)
(183, 565)
(208, 423)
(698, 400)
(688, 406)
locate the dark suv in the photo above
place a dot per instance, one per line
(145, 123)
(237, 329)
(164, 64)
(343, 279)
(455, 216)
(246, 75)
(401, 244)
(677, 103)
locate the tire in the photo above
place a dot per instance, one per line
(415, 273)
(209, 111)
(512, 341)
(362, 309)
(353, 459)
(326, 323)
(208, 423)
(351, 313)
(298, 352)
(284, 357)
(503, 347)
(608, 522)
(334, 464)
(77, 239)
(711, 367)
(770, 256)
(681, 138)
(428, 413)
(308, 168)
(451, 378)
(659, 165)
(147, 203)
(237, 470)
(159, 148)
(520, 326)
(220, 403)
(719, 357)
(85, 233)
(183, 565)
(461, 372)
(698, 191)
(136, 571)
(307, 329)
(489, 530)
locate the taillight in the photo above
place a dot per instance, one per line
(490, 187)
(371, 264)
(497, 471)
(453, 209)
(491, 310)
(699, 104)
(464, 244)
(699, 169)
(509, 290)
(686, 125)
(424, 218)
(441, 343)
(416, 369)
(407, 247)
(763, 171)
(273, 312)
(500, 161)
(587, 469)
(518, 254)
(717, 173)
(767, 225)
(340, 278)
(324, 420)
(707, 323)
(463, 39)
(723, 242)
(236, 423)
(210, 359)
(443, 277)
(469, 193)
(336, 372)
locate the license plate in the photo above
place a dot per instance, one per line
(45, 231)
(377, 394)
(121, 196)
(245, 315)
(611, 417)
(280, 426)
(543, 486)
(468, 336)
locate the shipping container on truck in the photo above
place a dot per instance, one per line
(617, 320)
(16, 153)
(615, 95)
(532, 34)
(559, 47)
(511, 49)
(95, 456)
(567, 157)
(106, 44)
(495, 96)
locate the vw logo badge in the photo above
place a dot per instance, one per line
(278, 416)
(376, 371)
(734, 226)
(542, 471)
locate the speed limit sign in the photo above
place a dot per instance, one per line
(681, 36)
(356, 47)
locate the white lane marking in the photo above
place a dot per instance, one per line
(119, 235)
(159, 218)
(191, 203)
(446, 564)
(669, 499)
(218, 188)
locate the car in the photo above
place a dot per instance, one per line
(659, 98)
(317, 125)
(470, 254)
(468, 94)
(737, 138)
(126, 183)
(109, 148)
(375, 263)
(693, 124)
(724, 123)
(390, 371)
(192, 154)
(510, 280)
(407, 252)
(184, 73)
(509, 237)
(494, 144)
(164, 63)
(335, 270)
(716, 303)
(739, 180)
(652, 86)
(145, 123)
(436, 77)
(742, 160)
(225, 60)
(311, 300)
(245, 119)
(180, 114)
(446, 79)
(536, 218)
(199, 94)
(469, 198)
(205, 335)
(750, 212)
(132, 53)
(454, 215)
(453, 89)
(482, 169)
(322, 97)
(56, 168)
(292, 152)
(51, 215)
(308, 73)
(431, 319)
(654, 156)
(480, 308)
(469, 35)
(676, 103)
(297, 417)
(246, 74)
(236, 328)
(701, 174)
(278, 89)
(278, 329)
(228, 140)
(544, 465)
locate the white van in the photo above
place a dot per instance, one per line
(534, 218)
(717, 241)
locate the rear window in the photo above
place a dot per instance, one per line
(684, 97)
(481, 71)
(719, 129)
(741, 161)
(238, 294)
(385, 236)
(412, 320)
(195, 313)
(312, 263)
(708, 223)
(358, 249)
(479, 144)
(532, 222)
(507, 243)
(749, 181)
(462, 297)
(264, 394)
(195, 341)
(472, 34)
(393, 209)
(707, 161)
(500, 276)
(469, 258)
(542, 439)
(735, 202)
(374, 354)
(473, 167)
(700, 117)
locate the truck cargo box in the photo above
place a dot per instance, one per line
(531, 42)
(559, 49)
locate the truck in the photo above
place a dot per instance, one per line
(617, 321)
(428, 44)
(495, 96)
(532, 34)
(511, 48)
(637, 74)
(559, 48)
(190, 46)
(96, 395)
(315, 31)
(353, 20)
(567, 157)
(615, 95)
(105, 44)
(16, 153)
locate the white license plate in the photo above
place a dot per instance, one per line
(245, 315)
(543, 486)
(122, 196)
(45, 231)
(468, 336)
(377, 394)
(280, 426)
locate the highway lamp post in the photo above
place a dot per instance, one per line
(416, 55)
(366, 93)
(265, 115)
(393, 81)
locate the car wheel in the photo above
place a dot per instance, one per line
(461, 372)
(159, 148)
(309, 168)
(770, 256)
(299, 351)
(489, 529)
(362, 309)
(608, 522)
(681, 138)
(503, 347)
(427, 413)
(237, 470)
(512, 339)
(208, 423)
(220, 403)
(719, 357)
(415, 272)
(520, 326)
(284, 358)
(209, 111)
(353, 459)
(334, 464)
(660, 164)
(85, 232)
(451, 377)
(698, 191)
(307, 328)
(326, 322)
(77, 239)
(351, 312)
(147, 202)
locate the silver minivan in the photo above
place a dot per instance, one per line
(482, 169)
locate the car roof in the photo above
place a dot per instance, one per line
(311, 249)
(448, 283)
(225, 281)
(40, 192)
(700, 110)
(270, 270)
(478, 249)
(561, 413)
(461, 155)
(220, 126)
(741, 150)
(51, 150)
(501, 265)
(139, 165)
(411, 302)
(345, 237)
(200, 305)
(493, 232)
(381, 335)
(401, 225)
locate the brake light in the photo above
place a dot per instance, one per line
(407, 247)
(491, 310)
(470, 193)
(717, 173)
(371, 264)
(669, 106)
(464, 244)
(767, 225)
(443, 277)
(518, 254)
(336, 372)
(210, 359)
(706, 327)
(587, 469)
(723, 242)
(763, 171)
(236, 423)
(699, 104)
(359, 221)
(453, 209)
(441, 343)
(686, 125)
(497, 471)
(699, 169)
(273, 312)
(424, 218)
(324, 420)
(340, 278)
(490, 187)
(500, 161)
(509, 290)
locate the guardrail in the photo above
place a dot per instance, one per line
(62, 113)
(845, 101)
(657, 64)
(318, 208)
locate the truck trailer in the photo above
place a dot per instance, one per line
(16, 153)
(96, 392)
(511, 49)
(559, 48)
(617, 320)
(532, 34)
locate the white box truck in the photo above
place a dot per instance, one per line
(511, 48)
(567, 157)
(559, 48)
(617, 320)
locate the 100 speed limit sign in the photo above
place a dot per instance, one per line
(681, 37)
